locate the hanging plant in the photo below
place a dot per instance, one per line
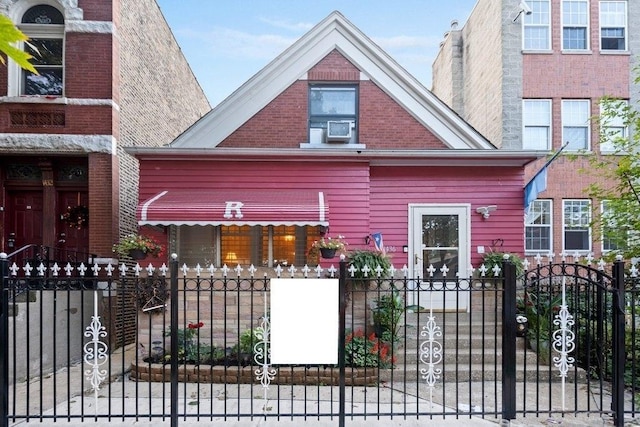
(76, 217)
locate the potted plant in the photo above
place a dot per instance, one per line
(137, 246)
(372, 259)
(387, 314)
(328, 247)
(492, 258)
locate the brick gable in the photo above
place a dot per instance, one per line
(383, 123)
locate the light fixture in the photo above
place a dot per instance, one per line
(524, 8)
(485, 211)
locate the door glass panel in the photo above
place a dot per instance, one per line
(440, 245)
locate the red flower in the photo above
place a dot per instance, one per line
(195, 325)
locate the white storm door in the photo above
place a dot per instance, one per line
(440, 252)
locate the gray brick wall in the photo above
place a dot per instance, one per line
(159, 95)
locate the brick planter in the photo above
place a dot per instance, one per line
(299, 375)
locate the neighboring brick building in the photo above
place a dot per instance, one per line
(530, 77)
(111, 75)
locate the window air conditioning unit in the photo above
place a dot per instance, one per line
(339, 131)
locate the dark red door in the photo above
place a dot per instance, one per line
(24, 219)
(72, 237)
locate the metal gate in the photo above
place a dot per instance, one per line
(559, 340)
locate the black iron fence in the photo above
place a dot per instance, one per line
(561, 340)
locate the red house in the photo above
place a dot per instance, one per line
(333, 137)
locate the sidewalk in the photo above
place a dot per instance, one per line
(131, 397)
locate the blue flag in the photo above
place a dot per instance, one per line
(537, 185)
(539, 181)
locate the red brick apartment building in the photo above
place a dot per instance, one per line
(111, 75)
(530, 75)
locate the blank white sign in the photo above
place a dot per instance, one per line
(304, 321)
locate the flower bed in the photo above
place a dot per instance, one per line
(286, 375)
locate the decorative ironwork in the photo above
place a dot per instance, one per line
(33, 119)
(262, 353)
(563, 340)
(431, 352)
(24, 172)
(96, 351)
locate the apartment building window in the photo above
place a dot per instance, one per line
(576, 225)
(575, 21)
(537, 124)
(613, 237)
(612, 126)
(613, 25)
(538, 227)
(44, 25)
(575, 124)
(537, 28)
(333, 112)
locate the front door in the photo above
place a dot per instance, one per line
(72, 238)
(440, 249)
(24, 225)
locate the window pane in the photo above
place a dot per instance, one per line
(538, 239)
(576, 240)
(536, 138)
(576, 221)
(538, 226)
(613, 39)
(536, 38)
(197, 245)
(574, 38)
(49, 51)
(333, 101)
(236, 245)
(49, 82)
(440, 231)
(576, 137)
(42, 14)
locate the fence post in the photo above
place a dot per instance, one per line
(173, 267)
(619, 356)
(342, 281)
(4, 341)
(508, 339)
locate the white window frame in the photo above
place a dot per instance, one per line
(572, 18)
(53, 31)
(613, 20)
(575, 115)
(536, 23)
(535, 118)
(612, 127)
(604, 239)
(579, 223)
(538, 207)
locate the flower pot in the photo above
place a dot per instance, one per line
(327, 252)
(137, 254)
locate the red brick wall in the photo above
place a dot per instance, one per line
(88, 69)
(382, 122)
(97, 10)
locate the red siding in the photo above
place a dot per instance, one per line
(345, 185)
(363, 200)
(394, 188)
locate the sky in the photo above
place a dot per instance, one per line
(227, 42)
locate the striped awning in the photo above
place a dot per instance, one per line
(252, 207)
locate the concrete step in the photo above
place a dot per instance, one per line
(475, 372)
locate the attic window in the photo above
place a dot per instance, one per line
(333, 113)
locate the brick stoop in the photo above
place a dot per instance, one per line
(296, 375)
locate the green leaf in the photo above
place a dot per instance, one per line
(9, 35)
